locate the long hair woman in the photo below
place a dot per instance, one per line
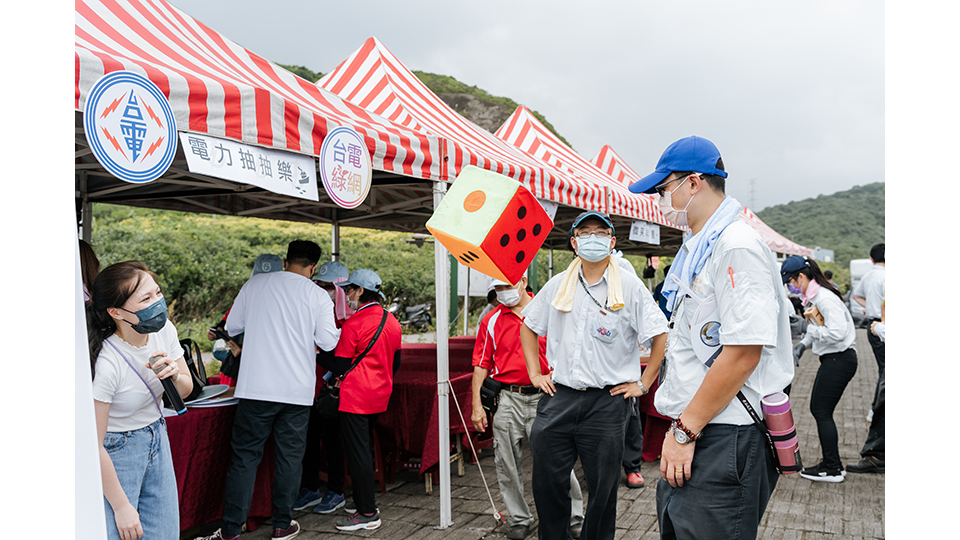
(132, 347)
(833, 342)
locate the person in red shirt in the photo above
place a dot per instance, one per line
(365, 391)
(498, 352)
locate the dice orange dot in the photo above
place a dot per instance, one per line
(474, 201)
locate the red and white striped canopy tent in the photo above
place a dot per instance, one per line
(217, 87)
(373, 78)
(778, 244)
(610, 162)
(523, 130)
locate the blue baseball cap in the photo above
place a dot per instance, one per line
(595, 215)
(367, 279)
(267, 263)
(693, 153)
(332, 272)
(791, 265)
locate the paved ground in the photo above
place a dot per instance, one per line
(799, 509)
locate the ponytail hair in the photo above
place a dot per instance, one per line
(111, 289)
(812, 272)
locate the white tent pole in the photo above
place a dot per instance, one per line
(442, 279)
(550, 266)
(466, 304)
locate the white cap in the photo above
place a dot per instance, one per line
(495, 282)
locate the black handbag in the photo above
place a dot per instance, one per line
(191, 355)
(327, 403)
(490, 394)
(230, 367)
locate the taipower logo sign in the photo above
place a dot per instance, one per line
(130, 127)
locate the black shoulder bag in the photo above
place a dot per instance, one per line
(191, 355)
(328, 400)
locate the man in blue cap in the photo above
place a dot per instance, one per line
(724, 273)
(594, 316)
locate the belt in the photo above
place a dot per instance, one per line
(523, 390)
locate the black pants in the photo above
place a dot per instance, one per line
(323, 433)
(253, 423)
(878, 353)
(633, 440)
(588, 424)
(731, 480)
(835, 372)
(876, 437)
(356, 430)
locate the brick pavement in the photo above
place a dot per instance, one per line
(799, 509)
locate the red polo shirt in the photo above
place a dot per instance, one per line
(366, 389)
(498, 347)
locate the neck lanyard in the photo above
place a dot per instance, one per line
(125, 359)
(586, 290)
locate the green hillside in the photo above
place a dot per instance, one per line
(848, 222)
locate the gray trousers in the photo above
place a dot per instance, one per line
(511, 424)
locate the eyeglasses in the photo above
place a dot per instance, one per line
(603, 233)
(663, 187)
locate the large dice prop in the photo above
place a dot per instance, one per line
(491, 224)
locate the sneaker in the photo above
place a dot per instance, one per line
(359, 521)
(819, 473)
(575, 531)
(285, 534)
(519, 532)
(868, 464)
(330, 502)
(219, 536)
(634, 480)
(306, 499)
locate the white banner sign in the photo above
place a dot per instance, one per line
(281, 172)
(478, 282)
(550, 208)
(646, 232)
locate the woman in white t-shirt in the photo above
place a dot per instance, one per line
(132, 347)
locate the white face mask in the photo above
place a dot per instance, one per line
(509, 297)
(678, 217)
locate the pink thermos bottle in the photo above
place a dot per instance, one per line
(779, 420)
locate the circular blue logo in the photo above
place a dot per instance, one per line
(130, 127)
(710, 334)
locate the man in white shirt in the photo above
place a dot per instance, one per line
(869, 293)
(284, 317)
(717, 474)
(594, 316)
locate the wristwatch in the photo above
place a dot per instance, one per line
(679, 434)
(643, 389)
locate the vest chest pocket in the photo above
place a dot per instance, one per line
(604, 325)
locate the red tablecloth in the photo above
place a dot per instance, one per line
(200, 444)
(412, 417)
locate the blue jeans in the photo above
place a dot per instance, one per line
(145, 469)
(731, 480)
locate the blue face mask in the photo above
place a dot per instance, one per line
(152, 318)
(593, 248)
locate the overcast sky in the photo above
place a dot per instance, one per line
(791, 93)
